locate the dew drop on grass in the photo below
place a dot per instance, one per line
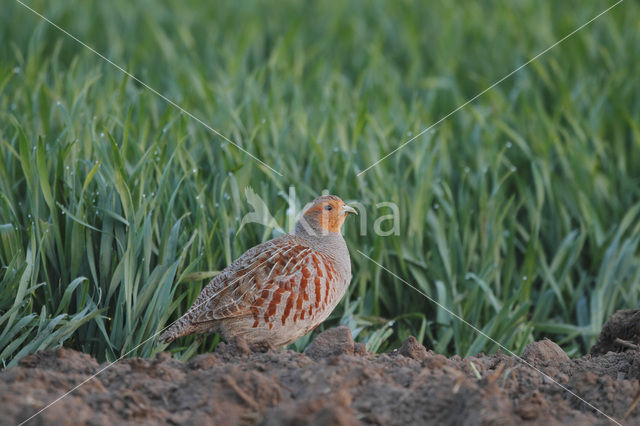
(513, 169)
(508, 145)
(16, 70)
(524, 278)
(202, 206)
(197, 197)
(58, 103)
(195, 171)
(102, 134)
(467, 170)
(436, 206)
(152, 194)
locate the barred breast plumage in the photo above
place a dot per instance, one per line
(279, 290)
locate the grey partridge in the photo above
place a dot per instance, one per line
(281, 289)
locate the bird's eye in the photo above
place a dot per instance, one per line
(328, 207)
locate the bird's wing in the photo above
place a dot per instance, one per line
(263, 268)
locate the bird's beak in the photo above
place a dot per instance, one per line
(346, 209)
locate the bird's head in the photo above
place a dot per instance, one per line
(324, 215)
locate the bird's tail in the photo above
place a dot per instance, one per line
(185, 326)
(181, 327)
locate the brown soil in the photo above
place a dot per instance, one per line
(334, 382)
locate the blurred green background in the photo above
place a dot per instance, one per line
(520, 213)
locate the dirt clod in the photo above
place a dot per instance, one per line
(333, 342)
(621, 332)
(411, 348)
(333, 410)
(544, 352)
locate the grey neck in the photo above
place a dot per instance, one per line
(306, 228)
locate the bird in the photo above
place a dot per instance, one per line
(279, 290)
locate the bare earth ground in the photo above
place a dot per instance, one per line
(334, 382)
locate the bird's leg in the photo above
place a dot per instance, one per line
(262, 347)
(241, 344)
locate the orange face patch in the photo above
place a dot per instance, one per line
(328, 214)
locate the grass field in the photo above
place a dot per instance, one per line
(520, 213)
